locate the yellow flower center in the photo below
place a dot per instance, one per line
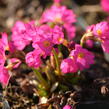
(80, 55)
(7, 48)
(60, 39)
(58, 18)
(99, 32)
(71, 57)
(46, 43)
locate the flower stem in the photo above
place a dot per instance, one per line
(57, 62)
(86, 36)
(82, 40)
(41, 79)
(49, 74)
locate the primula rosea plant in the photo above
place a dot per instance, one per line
(46, 56)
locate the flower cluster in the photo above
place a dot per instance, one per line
(4, 75)
(100, 33)
(4, 68)
(78, 59)
(43, 43)
(60, 15)
(36, 45)
(55, 29)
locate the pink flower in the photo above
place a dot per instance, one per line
(7, 45)
(22, 34)
(44, 40)
(57, 1)
(105, 45)
(105, 5)
(56, 33)
(83, 57)
(67, 107)
(4, 76)
(19, 43)
(11, 47)
(61, 15)
(69, 66)
(101, 30)
(45, 44)
(89, 43)
(31, 30)
(44, 29)
(4, 41)
(2, 58)
(16, 62)
(33, 59)
(58, 36)
(90, 28)
(19, 35)
(19, 27)
(58, 14)
(70, 30)
(68, 16)
(2, 55)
